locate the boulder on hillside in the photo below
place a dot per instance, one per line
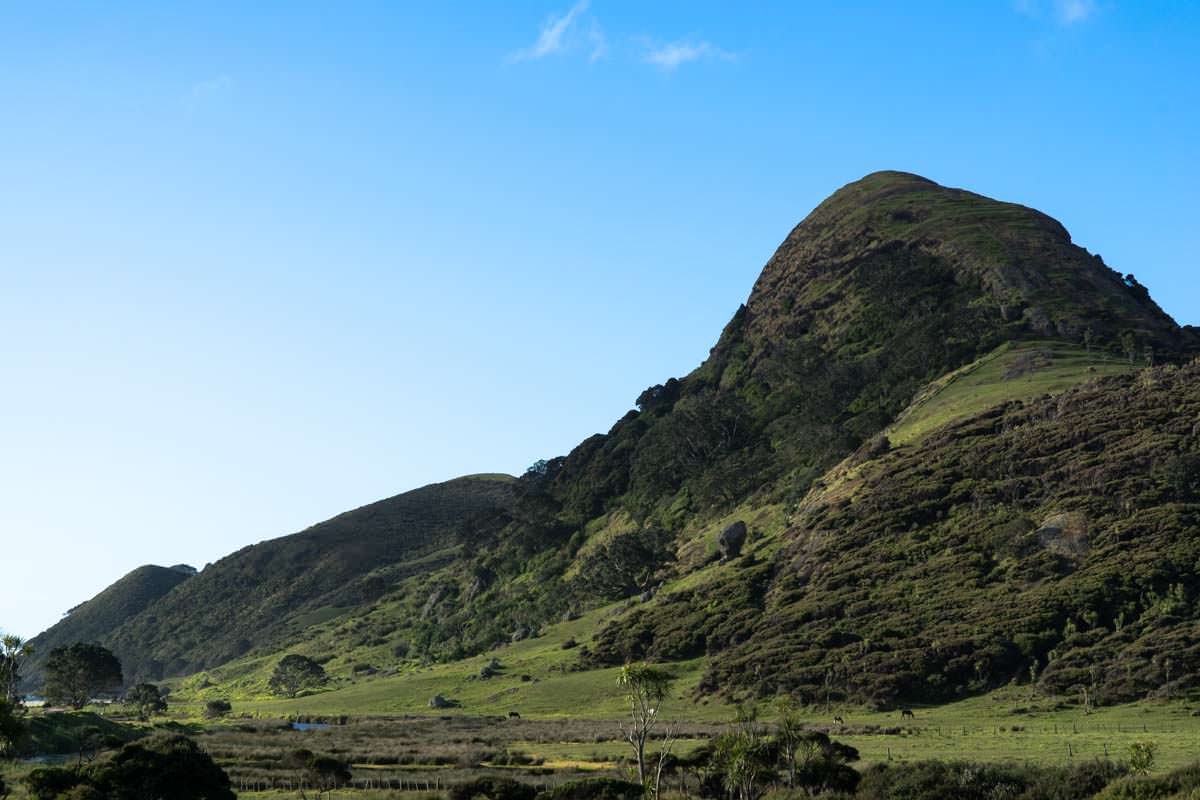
(731, 540)
(1065, 534)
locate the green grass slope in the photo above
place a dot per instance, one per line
(535, 677)
(1050, 542)
(891, 284)
(274, 590)
(1011, 372)
(107, 611)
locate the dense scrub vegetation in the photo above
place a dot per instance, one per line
(265, 593)
(99, 617)
(900, 572)
(1051, 542)
(891, 283)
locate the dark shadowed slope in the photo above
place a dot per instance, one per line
(262, 593)
(93, 620)
(893, 289)
(1055, 541)
(888, 286)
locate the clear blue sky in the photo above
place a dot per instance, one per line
(262, 263)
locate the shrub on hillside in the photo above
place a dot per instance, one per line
(594, 789)
(1183, 782)
(492, 789)
(217, 708)
(935, 780)
(165, 766)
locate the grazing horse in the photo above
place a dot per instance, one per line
(513, 715)
(906, 713)
(839, 720)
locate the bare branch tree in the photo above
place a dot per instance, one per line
(646, 687)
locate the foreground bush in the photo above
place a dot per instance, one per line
(1182, 782)
(161, 767)
(493, 789)
(594, 789)
(937, 780)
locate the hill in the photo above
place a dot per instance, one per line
(107, 611)
(1051, 541)
(830, 419)
(265, 593)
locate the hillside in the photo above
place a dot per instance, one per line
(268, 592)
(829, 418)
(1052, 541)
(107, 611)
(889, 285)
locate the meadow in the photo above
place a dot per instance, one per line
(422, 755)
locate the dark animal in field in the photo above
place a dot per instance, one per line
(906, 713)
(839, 720)
(513, 715)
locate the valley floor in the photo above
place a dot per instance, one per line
(414, 756)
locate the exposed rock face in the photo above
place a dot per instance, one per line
(1065, 534)
(731, 540)
(438, 701)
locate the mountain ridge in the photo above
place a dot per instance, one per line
(887, 286)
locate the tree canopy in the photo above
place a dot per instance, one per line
(295, 673)
(75, 674)
(147, 699)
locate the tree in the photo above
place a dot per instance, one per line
(165, 766)
(13, 651)
(146, 699)
(744, 756)
(12, 730)
(77, 673)
(1129, 345)
(1141, 757)
(214, 709)
(824, 765)
(646, 687)
(294, 673)
(323, 773)
(791, 737)
(492, 789)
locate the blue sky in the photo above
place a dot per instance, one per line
(263, 262)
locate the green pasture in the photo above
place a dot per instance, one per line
(1021, 371)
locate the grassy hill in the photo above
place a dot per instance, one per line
(1050, 542)
(1012, 372)
(265, 594)
(933, 416)
(107, 611)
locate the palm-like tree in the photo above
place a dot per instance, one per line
(13, 651)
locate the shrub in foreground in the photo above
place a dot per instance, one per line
(164, 766)
(936, 780)
(594, 789)
(492, 789)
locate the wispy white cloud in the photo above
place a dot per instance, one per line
(1066, 12)
(553, 36)
(671, 55)
(207, 91)
(598, 42)
(1072, 11)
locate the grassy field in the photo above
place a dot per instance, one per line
(1008, 725)
(426, 753)
(1004, 726)
(1010, 372)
